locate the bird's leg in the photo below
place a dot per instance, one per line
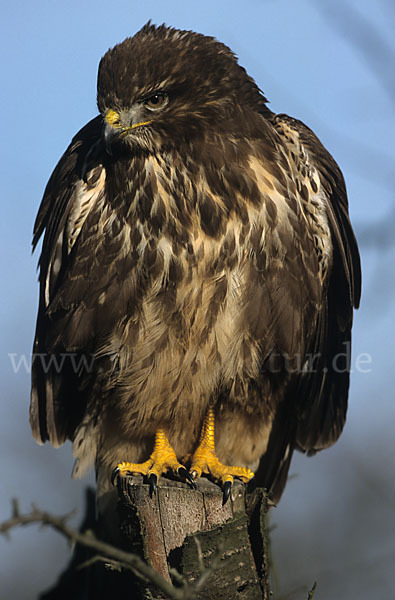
(204, 459)
(162, 459)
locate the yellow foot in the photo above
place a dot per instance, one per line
(162, 459)
(204, 460)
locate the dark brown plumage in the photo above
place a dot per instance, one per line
(197, 251)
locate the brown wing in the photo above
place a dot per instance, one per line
(324, 391)
(312, 414)
(75, 190)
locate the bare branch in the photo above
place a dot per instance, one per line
(107, 552)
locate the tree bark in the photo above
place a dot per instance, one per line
(185, 529)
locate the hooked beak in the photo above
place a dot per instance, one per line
(109, 134)
(113, 128)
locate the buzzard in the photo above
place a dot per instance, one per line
(198, 276)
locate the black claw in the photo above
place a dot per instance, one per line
(184, 473)
(114, 475)
(226, 494)
(153, 484)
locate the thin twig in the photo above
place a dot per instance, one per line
(106, 551)
(205, 572)
(311, 592)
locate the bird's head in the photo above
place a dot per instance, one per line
(164, 87)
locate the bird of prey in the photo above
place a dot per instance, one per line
(198, 276)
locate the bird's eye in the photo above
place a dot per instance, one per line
(156, 101)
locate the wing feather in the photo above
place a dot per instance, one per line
(324, 390)
(75, 189)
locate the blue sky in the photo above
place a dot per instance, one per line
(308, 67)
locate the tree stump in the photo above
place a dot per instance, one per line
(185, 529)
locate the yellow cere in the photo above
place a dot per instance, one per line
(112, 118)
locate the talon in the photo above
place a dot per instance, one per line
(205, 460)
(184, 473)
(226, 493)
(114, 475)
(153, 484)
(162, 459)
